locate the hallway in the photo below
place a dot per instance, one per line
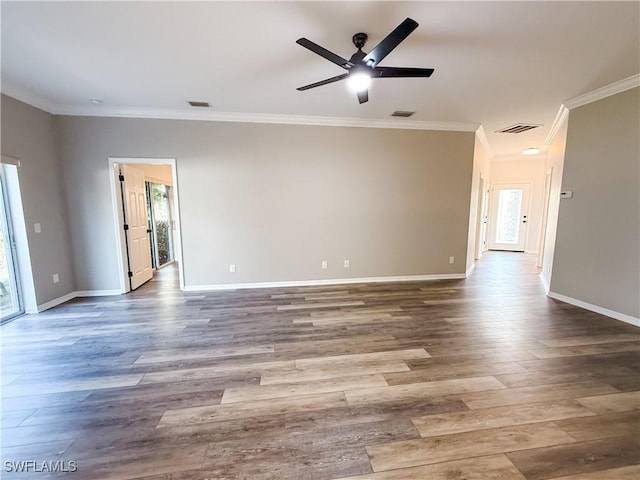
(478, 378)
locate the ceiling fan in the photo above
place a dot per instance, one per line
(362, 67)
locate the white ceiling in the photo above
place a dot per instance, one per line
(496, 63)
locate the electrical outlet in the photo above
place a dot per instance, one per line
(452, 259)
(347, 264)
(37, 228)
(324, 264)
(232, 268)
(56, 278)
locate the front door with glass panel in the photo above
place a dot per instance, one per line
(509, 217)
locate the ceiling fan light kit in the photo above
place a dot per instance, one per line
(362, 67)
(359, 81)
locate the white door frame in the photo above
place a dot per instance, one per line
(481, 214)
(492, 220)
(545, 216)
(116, 202)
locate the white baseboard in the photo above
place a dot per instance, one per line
(469, 270)
(332, 281)
(547, 287)
(97, 293)
(70, 296)
(595, 308)
(51, 303)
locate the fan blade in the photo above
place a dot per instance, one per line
(390, 42)
(397, 72)
(363, 96)
(323, 52)
(323, 82)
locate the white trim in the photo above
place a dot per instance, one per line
(30, 98)
(70, 296)
(117, 220)
(595, 308)
(545, 283)
(10, 160)
(604, 92)
(469, 270)
(96, 293)
(117, 213)
(490, 218)
(561, 117)
(313, 283)
(239, 117)
(482, 136)
(598, 94)
(51, 303)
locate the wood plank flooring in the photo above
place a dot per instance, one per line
(483, 378)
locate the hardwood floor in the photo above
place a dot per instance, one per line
(483, 378)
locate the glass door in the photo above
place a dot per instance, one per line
(10, 299)
(162, 223)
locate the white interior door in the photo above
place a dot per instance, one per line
(135, 208)
(509, 217)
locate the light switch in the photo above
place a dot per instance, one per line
(37, 228)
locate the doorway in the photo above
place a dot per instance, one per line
(141, 246)
(161, 224)
(509, 217)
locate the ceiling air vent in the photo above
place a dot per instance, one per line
(402, 113)
(200, 104)
(518, 128)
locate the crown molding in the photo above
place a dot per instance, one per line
(604, 92)
(29, 98)
(484, 141)
(213, 116)
(561, 117)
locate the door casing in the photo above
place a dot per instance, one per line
(116, 202)
(526, 201)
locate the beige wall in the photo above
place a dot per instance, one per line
(481, 168)
(156, 173)
(28, 134)
(597, 246)
(276, 200)
(531, 171)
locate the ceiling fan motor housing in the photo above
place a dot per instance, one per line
(359, 39)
